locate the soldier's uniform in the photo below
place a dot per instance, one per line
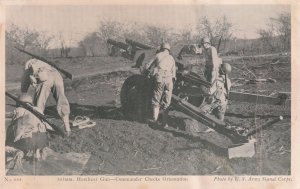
(43, 87)
(220, 96)
(164, 70)
(212, 63)
(26, 132)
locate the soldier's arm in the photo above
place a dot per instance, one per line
(212, 89)
(174, 69)
(149, 66)
(152, 63)
(228, 83)
(25, 82)
(215, 58)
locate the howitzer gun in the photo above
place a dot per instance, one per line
(117, 47)
(137, 44)
(189, 96)
(119, 44)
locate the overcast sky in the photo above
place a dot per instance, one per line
(74, 22)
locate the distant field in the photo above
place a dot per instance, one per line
(79, 67)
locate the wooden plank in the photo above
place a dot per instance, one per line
(257, 99)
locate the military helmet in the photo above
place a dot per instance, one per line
(165, 46)
(226, 68)
(205, 40)
(26, 98)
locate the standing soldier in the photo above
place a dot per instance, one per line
(212, 60)
(46, 79)
(163, 70)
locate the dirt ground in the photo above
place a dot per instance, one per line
(122, 147)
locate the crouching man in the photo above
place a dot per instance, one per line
(163, 70)
(220, 91)
(46, 80)
(26, 135)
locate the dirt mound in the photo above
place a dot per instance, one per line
(124, 147)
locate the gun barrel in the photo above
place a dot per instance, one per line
(67, 74)
(138, 44)
(119, 44)
(36, 113)
(192, 78)
(206, 119)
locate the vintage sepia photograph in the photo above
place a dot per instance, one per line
(148, 90)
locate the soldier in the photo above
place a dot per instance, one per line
(212, 60)
(46, 79)
(220, 91)
(163, 70)
(26, 134)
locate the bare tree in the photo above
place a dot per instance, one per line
(221, 28)
(135, 32)
(44, 41)
(25, 39)
(282, 28)
(64, 47)
(109, 29)
(90, 43)
(156, 35)
(277, 34)
(22, 38)
(185, 35)
(267, 38)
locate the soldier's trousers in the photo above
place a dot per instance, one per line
(210, 74)
(162, 92)
(55, 86)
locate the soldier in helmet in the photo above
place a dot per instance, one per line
(46, 80)
(220, 91)
(212, 61)
(26, 135)
(163, 70)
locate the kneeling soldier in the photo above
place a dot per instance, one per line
(26, 134)
(220, 92)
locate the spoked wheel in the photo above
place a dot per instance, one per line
(135, 97)
(191, 93)
(196, 101)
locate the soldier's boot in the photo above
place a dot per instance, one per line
(165, 119)
(155, 113)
